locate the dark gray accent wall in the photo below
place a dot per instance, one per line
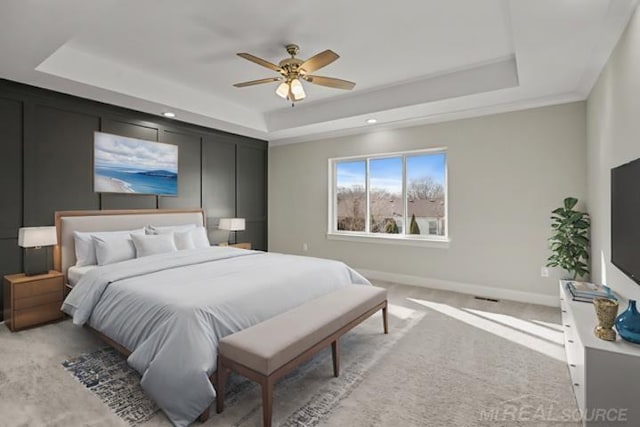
(46, 164)
(10, 184)
(251, 193)
(218, 178)
(58, 172)
(189, 165)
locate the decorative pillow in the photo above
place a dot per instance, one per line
(86, 248)
(114, 249)
(183, 240)
(160, 229)
(153, 244)
(200, 238)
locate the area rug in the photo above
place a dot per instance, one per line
(106, 373)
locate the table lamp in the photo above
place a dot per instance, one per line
(34, 240)
(232, 224)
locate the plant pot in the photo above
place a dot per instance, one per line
(628, 323)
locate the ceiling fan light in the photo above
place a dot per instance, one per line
(283, 90)
(300, 96)
(297, 89)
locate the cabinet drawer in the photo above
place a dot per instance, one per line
(38, 287)
(34, 316)
(566, 320)
(571, 351)
(37, 300)
(577, 382)
(563, 306)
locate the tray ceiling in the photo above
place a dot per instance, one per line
(413, 61)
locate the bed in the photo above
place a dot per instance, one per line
(168, 311)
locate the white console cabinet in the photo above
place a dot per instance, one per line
(605, 375)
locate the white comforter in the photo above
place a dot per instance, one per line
(172, 309)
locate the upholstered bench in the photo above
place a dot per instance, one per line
(269, 350)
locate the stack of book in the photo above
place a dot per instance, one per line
(586, 292)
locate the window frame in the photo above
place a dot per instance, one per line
(367, 236)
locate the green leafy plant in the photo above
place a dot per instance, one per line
(413, 225)
(570, 241)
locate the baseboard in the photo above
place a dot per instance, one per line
(464, 288)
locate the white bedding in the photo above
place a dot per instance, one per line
(75, 273)
(172, 309)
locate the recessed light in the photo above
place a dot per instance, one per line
(372, 121)
(169, 114)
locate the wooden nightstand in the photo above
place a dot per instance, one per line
(245, 245)
(32, 300)
(241, 245)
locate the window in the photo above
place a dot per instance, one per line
(386, 204)
(351, 197)
(398, 196)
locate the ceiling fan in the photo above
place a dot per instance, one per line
(293, 70)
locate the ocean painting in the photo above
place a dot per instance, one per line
(134, 166)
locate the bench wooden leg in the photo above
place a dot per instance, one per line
(207, 412)
(221, 381)
(335, 353)
(267, 401)
(385, 320)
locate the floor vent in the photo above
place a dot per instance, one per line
(487, 299)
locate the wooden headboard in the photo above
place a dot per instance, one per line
(66, 222)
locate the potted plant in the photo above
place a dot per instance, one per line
(570, 241)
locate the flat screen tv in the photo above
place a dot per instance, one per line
(134, 166)
(625, 219)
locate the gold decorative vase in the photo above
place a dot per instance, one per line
(606, 311)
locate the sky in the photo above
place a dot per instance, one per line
(387, 173)
(118, 151)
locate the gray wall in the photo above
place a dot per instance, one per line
(46, 150)
(506, 173)
(613, 117)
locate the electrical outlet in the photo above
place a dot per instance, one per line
(544, 272)
(305, 247)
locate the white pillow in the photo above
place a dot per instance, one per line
(188, 237)
(153, 244)
(200, 238)
(157, 229)
(114, 249)
(86, 248)
(183, 240)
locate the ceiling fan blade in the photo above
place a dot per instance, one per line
(260, 61)
(330, 82)
(318, 61)
(258, 82)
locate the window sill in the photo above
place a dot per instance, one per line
(425, 242)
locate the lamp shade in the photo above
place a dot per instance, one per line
(231, 224)
(33, 237)
(297, 90)
(283, 90)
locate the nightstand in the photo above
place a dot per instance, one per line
(245, 245)
(241, 245)
(32, 300)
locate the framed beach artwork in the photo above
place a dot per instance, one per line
(134, 166)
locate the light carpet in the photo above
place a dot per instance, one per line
(450, 360)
